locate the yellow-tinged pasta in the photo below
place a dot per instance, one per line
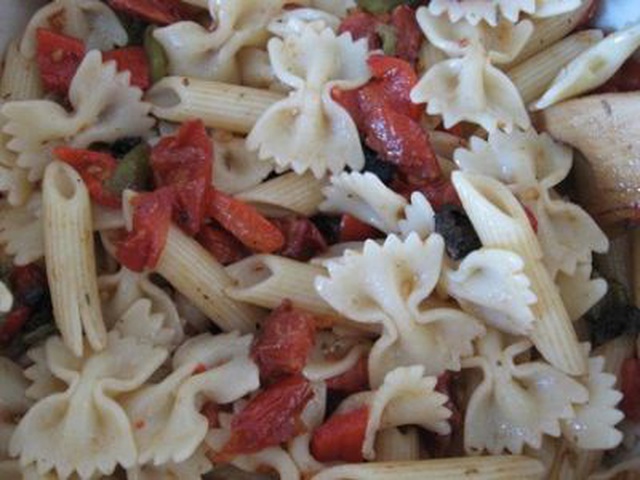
(70, 258)
(266, 280)
(548, 31)
(477, 468)
(501, 222)
(200, 278)
(20, 77)
(219, 105)
(298, 193)
(533, 76)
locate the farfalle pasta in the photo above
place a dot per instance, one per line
(310, 112)
(319, 239)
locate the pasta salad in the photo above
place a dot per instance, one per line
(319, 239)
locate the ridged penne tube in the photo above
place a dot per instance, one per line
(219, 105)
(501, 222)
(534, 75)
(570, 463)
(266, 280)
(200, 278)
(548, 31)
(478, 468)
(20, 77)
(394, 445)
(298, 193)
(70, 258)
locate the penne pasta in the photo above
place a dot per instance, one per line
(70, 258)
(548, 31)
(501, 222)
(20, 77)
(219, 105)
(296, 193)
(478, 468)
(394, 445)
(200, 278)
(267, 280)
(534, 75)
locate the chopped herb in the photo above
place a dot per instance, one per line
(158, 62)
(385, 171)
(389, 38)
(613, 316)
(457, 230)
(133, 171)
(122, 146)
(383, 6)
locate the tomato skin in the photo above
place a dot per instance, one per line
(94, 168)
(630, 386)
(341, 437)
(162, 12)
(354, 380)
(303, 240)
(362, 25)
(184, 163)
(13, 322)
(439, 192)
(221, 244)
(284, 342)
(270, 418)
(354, 230)
(58, 57)
(142, 247)
(409, 41)
(133, 59)
(244, 222)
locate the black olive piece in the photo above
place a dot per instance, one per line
(385, 171)
(124, 145)
(457, 230)
(329, 226)
(612, 316)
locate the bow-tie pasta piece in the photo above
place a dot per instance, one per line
(83, 429)
(333, 355)
(294, 22)
(593, 427)
(90, 20)
(308, 130)
(592, 68)
(475, 11)
(22, 231)
(134, 305)
(365, 197)
(405, 397)
(516, 403)
(192, 468)
(105, 107)
(235, 168)
(14, 180)
(491, 284)
(13, 401)
(522, 160)
(390, 285)
(503, 42)
(206, 368)
(471, 89)
(43, 381)
(579, 291)
(194, 50)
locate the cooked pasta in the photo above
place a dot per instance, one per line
(320, 239)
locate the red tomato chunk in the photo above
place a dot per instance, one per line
(340, 438)
(303, 240)
(133, 59)
(58, 57)
(284, 342)
(354, 380)
(221, 244)
(162, 12)
(630, 387)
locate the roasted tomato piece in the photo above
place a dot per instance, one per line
(354, 380)
(244, 222)
(184, 163)
(221, 244)
(142, 247)
(284, 342)
(354, 230)
(340, 438)
(133, 59)
(630, 387)
(58, 57)
(162, 12)
(270, 418)
(303, 240)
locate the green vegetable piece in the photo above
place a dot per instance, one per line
(389, 38)
(133, 171)
(158, 62)
(383, 6)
